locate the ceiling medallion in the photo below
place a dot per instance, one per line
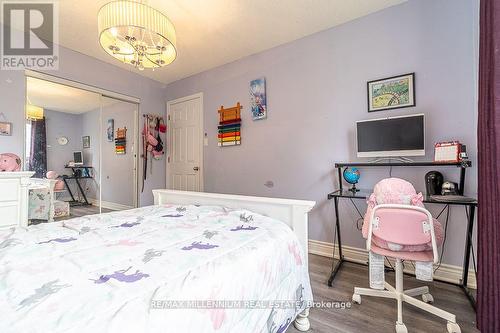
(136, 34)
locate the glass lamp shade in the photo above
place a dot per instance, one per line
(136, 34)
(34, 112)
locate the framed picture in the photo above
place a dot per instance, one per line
(86, 141)
(110, 130)
(391, 93)
(5, 128)
(258, 102)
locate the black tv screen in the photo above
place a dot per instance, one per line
(394, 136)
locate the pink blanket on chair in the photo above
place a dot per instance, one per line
(397, 191)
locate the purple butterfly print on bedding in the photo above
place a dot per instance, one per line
(199, 246)
(121, 276)
(59, 240)
(241, 227)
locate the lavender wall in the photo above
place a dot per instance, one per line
(60, 124)
(78, 67)
(316, 90)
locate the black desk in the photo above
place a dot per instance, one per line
(81, 169)
(362, 195)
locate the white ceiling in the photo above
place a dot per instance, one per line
(58, 97)
(211, 33)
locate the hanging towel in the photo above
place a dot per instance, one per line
(230, 143)
(230, 121)
(223, 127)
(232, 138)
(225, 135)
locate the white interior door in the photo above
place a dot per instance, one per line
(185, 147)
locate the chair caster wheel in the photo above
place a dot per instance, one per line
(453, 327)
(427, 298)
(356, 298)
(401, 328)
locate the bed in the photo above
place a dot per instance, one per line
(193, 262)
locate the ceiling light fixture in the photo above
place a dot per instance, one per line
(136, 34)
(33, 112)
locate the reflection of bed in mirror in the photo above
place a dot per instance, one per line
(43, 204)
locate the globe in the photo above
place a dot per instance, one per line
(351, 175)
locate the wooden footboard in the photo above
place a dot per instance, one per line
(292, 212)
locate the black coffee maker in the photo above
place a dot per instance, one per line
(433, 182)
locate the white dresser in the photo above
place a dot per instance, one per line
(14, 198)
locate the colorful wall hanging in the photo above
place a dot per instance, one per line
(121, 141)
(229, 126)
(258, 102)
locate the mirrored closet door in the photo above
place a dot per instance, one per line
(81, 146)
(119, 119)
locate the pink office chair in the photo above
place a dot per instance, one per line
(404, 225)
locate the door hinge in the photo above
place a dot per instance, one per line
(168, 159)
(168, 117)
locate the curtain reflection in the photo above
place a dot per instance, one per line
(38, 151)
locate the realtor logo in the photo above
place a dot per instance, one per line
(29, 35)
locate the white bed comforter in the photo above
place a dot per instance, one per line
(103, 273)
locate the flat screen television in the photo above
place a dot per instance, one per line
(391, 137)
(78, 158)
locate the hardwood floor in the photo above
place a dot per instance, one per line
(378, 315)
(78, 211)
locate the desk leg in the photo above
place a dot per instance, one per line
(81, 190)
(468, 245)
(339, 242)
(69, 190)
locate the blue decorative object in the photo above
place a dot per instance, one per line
(351, 175)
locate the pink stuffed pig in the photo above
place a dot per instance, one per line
(10, 162)
(397, 191)
(59, 185)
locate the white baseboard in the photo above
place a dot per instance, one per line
(109, 205)
(447, 273)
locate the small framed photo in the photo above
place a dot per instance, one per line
(86, 141)
(391, 93)
(5, 128)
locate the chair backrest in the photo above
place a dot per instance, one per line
(401, 226)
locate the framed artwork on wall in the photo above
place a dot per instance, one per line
(391, 93)
(5, 128)
(258, 100)
(110, 130)
(86, 141)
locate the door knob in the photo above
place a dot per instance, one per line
(196, 168)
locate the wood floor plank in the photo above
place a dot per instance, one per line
(377, 315)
